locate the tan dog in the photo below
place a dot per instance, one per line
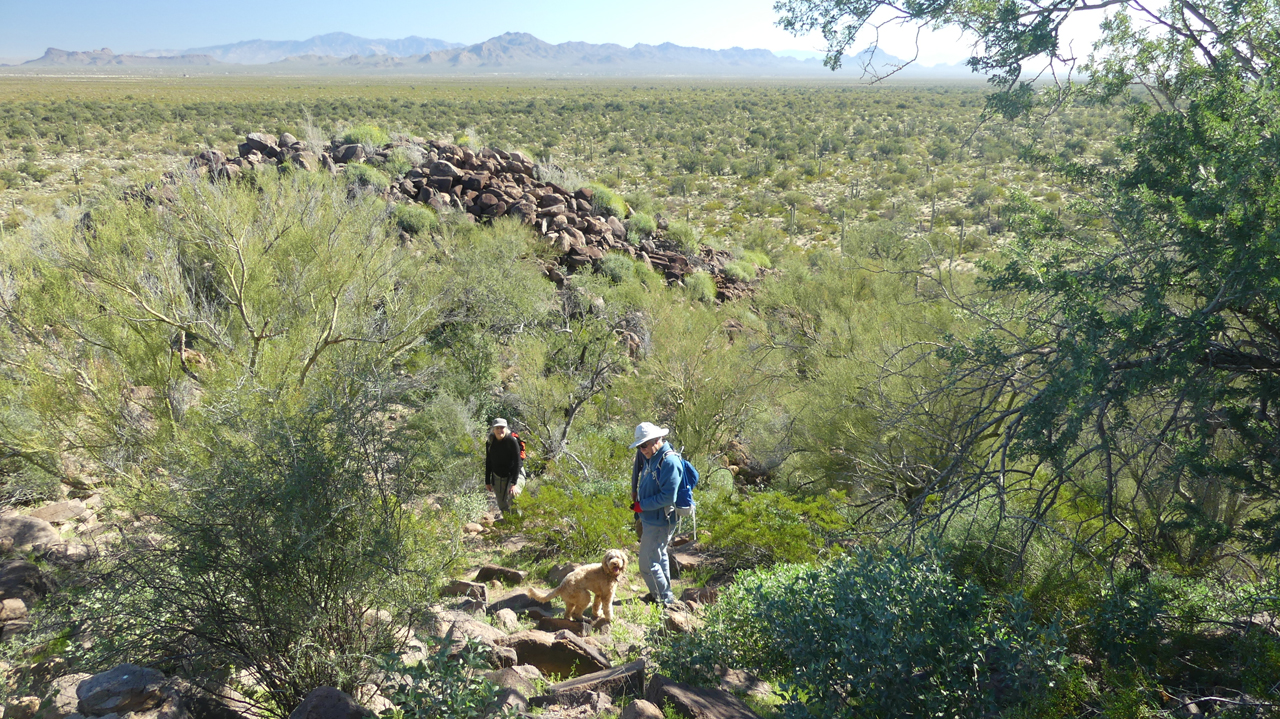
(598, 579)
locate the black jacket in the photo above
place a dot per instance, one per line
(502, 457)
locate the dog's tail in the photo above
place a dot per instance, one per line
(540, 597)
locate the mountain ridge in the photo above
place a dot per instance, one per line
(509, 53)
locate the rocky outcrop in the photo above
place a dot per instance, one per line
(329, 703)
(619, 681)
(488, 184)
(124, 689)
(563, 653)
(696, 702)
(26, 532)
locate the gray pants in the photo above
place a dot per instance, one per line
(502, 489)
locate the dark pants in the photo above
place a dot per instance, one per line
(502, 491)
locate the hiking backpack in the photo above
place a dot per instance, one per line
(688, 480)
(521, 443)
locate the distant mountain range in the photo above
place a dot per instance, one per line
(507, 54)
(53, 57)
(334, 44)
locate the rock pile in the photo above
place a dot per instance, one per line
(486, 185)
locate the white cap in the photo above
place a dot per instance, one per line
(646, 431)
(499, 422)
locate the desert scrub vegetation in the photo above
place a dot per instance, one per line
(723, 156)
(828, 631)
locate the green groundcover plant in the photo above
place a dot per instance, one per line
(874, 636)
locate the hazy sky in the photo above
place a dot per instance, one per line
(27, 27)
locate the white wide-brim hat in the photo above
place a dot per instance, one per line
(646, 431)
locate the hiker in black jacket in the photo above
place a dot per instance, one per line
(503, 465)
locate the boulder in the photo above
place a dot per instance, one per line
(507, 620)
(125, 688)
(508, 702)
(12, 608)
(510, 678)
(21, 707)
(550, 200)
(641, 709)
(287, 139)
(264, 143)
(701, 595)
(305, 160)
(619, 231)
(329, 703)
(696, 702)
(563, 653)
(463, 625)
(26, 531)
(681, 622)
(222, 703)
(441, 168)
(489, 572)
(624, 680)
(555, 624)
(349, 153)
(463, 588)
(63, 700)
(22, 580)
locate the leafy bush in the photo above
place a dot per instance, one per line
(683, 234)
(873, 636)
(415, 219)
(617, 267)
(445, 684)
(759, 259)
(740, 271)
(401, 160)
(770, 527)
(641, 226)
(366, 134)
(359, 175)
(578, 523)
(700, 286)
(607, 202)
(285, 546)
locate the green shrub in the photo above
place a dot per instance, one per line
(445, 684)
(617, 267)
(366, 134)
(281, 529)
(771, 527)
(700, 286)
(640, 202)
(577, 523)
(606, 202)
(759, 259)
(641, 226)
(740, 271)
(400, 161)
(683, 234)
(873, 636)
(415, 219)
(360, 175)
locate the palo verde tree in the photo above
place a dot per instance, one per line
(1130, 361)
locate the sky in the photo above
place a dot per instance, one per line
(28, 27)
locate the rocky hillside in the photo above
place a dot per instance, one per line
(542, 663)
(488, 184)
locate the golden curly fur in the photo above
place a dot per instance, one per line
(598, 579)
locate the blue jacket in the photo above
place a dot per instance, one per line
(657, 484)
